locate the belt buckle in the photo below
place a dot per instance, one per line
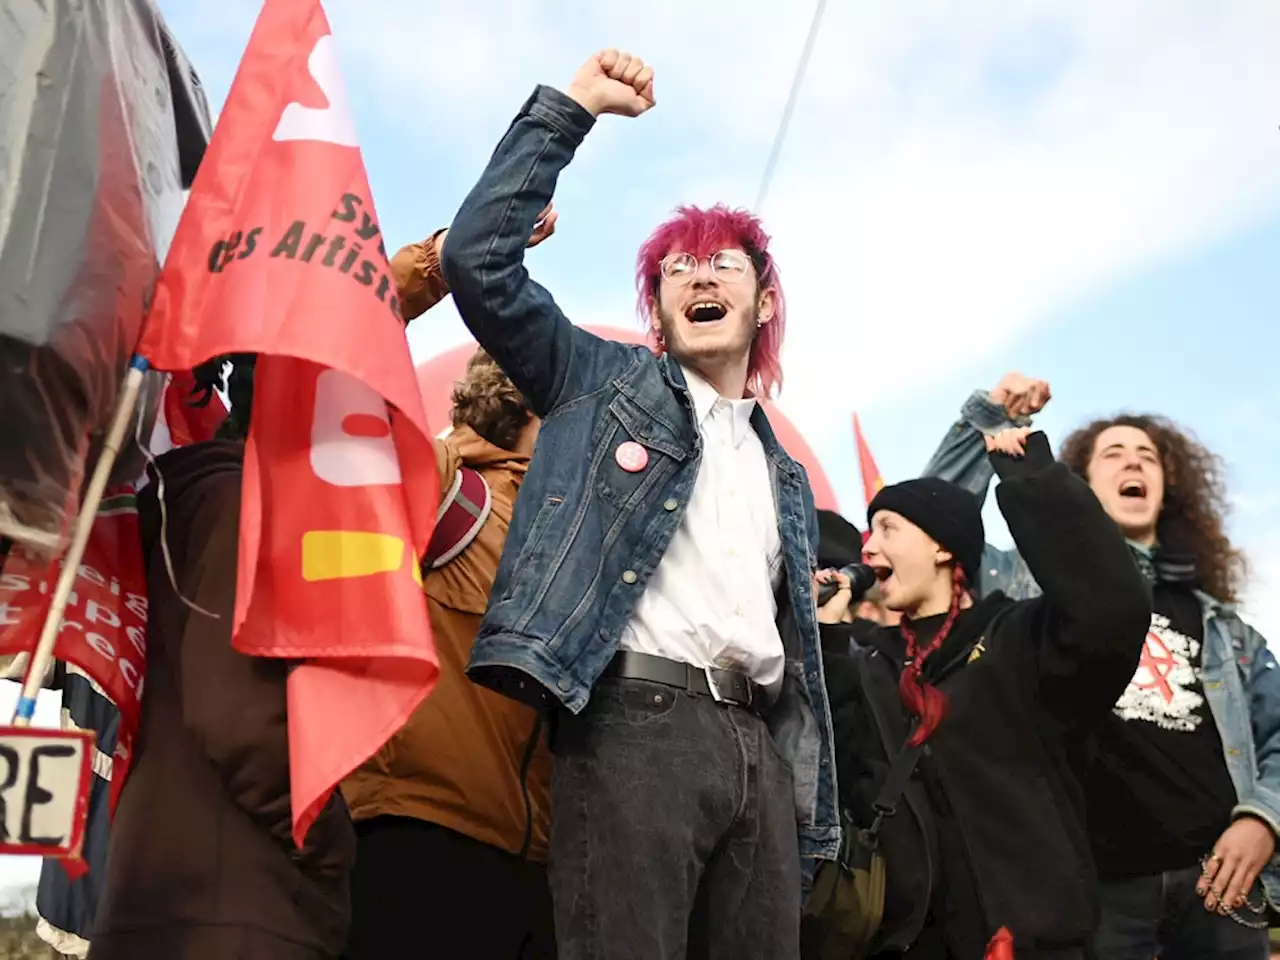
(712, 686)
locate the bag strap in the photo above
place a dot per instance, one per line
(463, 511)
(904, 764)
(886, 801)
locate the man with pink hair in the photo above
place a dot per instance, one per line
(654, 595)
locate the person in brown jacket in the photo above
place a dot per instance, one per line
(452, 813)
(202, 864)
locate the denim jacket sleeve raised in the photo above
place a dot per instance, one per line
(961, 459)
(515, 319)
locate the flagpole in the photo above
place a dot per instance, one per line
(42, 656)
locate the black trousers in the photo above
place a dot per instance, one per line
(421, 890)
(673, 831)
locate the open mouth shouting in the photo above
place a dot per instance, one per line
(883, 573)
(705, 311)
(1133, 489)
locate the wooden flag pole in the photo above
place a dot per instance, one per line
(42, 656)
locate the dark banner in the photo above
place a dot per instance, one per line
(102, 125)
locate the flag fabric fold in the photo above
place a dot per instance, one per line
(279, 253)
(186, 417)
(872, 481)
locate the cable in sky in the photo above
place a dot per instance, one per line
(791, 105)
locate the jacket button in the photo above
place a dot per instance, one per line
(628, 576)
(670, 505)
(564, 684)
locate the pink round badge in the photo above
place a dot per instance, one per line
(631, 456)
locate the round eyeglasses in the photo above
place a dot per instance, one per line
(727, 266)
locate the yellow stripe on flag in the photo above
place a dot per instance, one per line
(337, 554)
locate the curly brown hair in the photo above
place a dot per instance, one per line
(489, 403)
(1193, 516)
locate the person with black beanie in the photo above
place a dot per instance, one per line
(990, 702)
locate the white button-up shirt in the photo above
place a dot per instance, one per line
(711, 600)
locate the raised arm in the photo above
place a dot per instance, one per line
(961, 458)
(420, 282)
(1092, 619)
(515, 319)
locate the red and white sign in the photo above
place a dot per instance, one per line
(45, 777)
(104, 628)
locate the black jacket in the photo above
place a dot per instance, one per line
(992, 830)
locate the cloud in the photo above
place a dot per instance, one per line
(947, 212)
(953, 176)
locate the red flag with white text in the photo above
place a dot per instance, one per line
(103, 629)
(279, 254)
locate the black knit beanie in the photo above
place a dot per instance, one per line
(946, 512)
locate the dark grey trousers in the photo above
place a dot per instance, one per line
(673, 831)
(1163, 916)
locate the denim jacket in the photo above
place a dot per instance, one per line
(586, 534)
(1241, 682)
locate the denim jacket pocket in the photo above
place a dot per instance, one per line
(622, 482)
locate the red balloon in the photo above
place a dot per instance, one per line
(437, 376)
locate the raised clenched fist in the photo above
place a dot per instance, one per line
(612, 81)
(1021, 396)
(1012, 442)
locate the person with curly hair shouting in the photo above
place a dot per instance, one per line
(1184, 790)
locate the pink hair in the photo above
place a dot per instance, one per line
(702, 232)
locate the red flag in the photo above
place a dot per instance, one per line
(1000, 946)
(187, 421)
(103, 630)
(872, 481)
(279, 253)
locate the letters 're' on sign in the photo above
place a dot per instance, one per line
(45, 777)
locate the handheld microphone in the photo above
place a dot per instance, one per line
(861, 578)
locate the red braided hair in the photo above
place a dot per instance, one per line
(924, 700)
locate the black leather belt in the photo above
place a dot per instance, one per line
(724, 686)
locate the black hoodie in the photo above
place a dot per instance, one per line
(992, 831)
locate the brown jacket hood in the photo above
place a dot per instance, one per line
(477, 452)
(183, 471)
